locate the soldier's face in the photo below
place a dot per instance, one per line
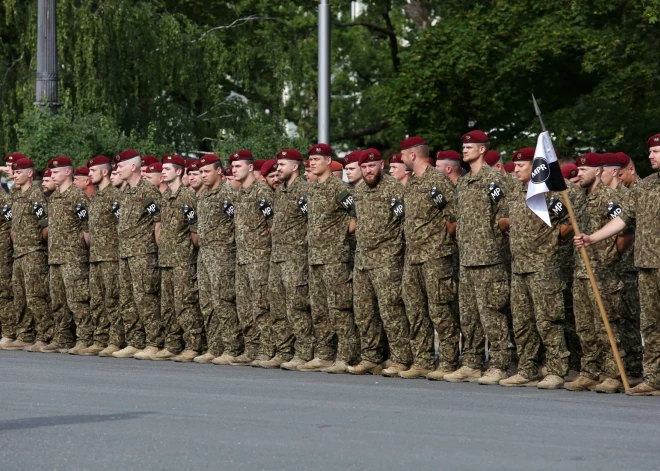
(398, 171)
(81, 182)
(319, 164)
(285, 169)
(587, 176)
(371, 172)
(309, 176)
(523, 171)
(241, 169)
(170, 172)
(125, 170)
(272, 180)
(626, 175)
(96, 174)
(195, 179)
(22, 176)
(407, 157)
(353, 172)
(208, 175)
(153, 178)
(609, 173)
(258, 176)
(472, 152)
(143, 171)
(654, 157)
(48, 185)
(60, 175)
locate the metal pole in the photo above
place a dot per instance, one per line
(47, 55)
(324, 72)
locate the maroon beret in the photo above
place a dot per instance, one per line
(624, 159)
(207, 159)
(448, 155)
(10, 158)
(241, 155)
(227, 172)
(289, 154)
(61, 161)
(173, 159)
(257, 164)
(98, 160)
(22, 164)
(569, 171)
(352, 157)
(475, 137)
(306, 163)
(370, 155)
(46, 173)
(192, 165)
(509, 167)
(412, 142)
(320, 149)
(654, 140)
(149, 160)
(396, 159)
(156, 167)
(526, 154)
(492, 157)
(81, 172)
(610, 160)
(590, 159)
(127, 155)
(268, 166)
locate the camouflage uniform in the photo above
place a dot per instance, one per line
(597, 356)
(377, 303)
(252, 223)
(139, 278)
(536, 289)
(289, 273)
(7, 312)
(483, 286)
(644, 209)
(429, 285)
(30, 271)
(104, 268)
(179, 308)
(69, 266)
(216, 270)
(330, 277)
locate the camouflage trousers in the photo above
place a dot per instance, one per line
(630, 326)
(139, 304)
(69, 297)
(217, 294)
(331, 301)
(179, 309)
(649, 299)
(570, 331)
(597, 355)
(290, 316)
(483, 294)
(537, 305)
(380, 315)
(34, 319)
(7, 312)
(253, 308)
(429, 294)
(104, 303)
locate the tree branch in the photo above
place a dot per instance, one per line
(394, 44)
(368, 131)
(239, 22)
(371, 26)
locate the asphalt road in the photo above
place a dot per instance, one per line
(61, 412)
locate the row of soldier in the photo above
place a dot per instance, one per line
(316, 274)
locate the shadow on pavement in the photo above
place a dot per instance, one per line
(36, 422)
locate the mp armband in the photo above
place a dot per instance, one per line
(6, 212)
(302, 205)
(495, 192)
(189, 213)
(438, 198)
(556, 207)
(397, 208)
(151, 207)
(346, 201)
(116, 209)
(265, 208)
(38, 210)
(229, 208)
(81, 212)
(613, 210)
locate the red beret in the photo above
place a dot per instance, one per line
(81, 172)
(509, 167)
(590, 159)
(173, 159)
(396, 159)
(610, 160)
(269, 166)
(149, 160)
(46, 173)
(654, 140)
(114, 167)
(623, 159)
(193, 165)
(448, 155)
(154, 168)
(492, 157)
(14, 157)
(569, 171)
(61, 161)
(22, 164)
(352, 157)
(257, 164)
(526, 154)
(475, 137)
(207, 159)
(241, 155)
(227, 172)
(306, 163)
(98, 160)
(127, 155)
(336, 166)
(370, 155)
(320, 149)
(412, 142)
(290, 154)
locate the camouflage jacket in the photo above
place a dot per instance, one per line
(600, 206)
(628, 257)
(6, 248)
(644, 209)
(480, 203)
(289, 231)
(254, 214)
(68, 214)
(380, 213)
(566, 247)
(26, 225)
(104, 241)
(215, 223)
(136, 224)
(175, 247)
(534, 244)
(328, 219)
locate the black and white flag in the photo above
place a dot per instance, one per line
(546, 176)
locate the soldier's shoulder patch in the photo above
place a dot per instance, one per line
(613, 210)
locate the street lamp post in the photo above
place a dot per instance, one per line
(324, 72)
(47, 94)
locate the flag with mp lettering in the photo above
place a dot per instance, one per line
(546, 176)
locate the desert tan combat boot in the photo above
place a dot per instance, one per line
(365, 367)
(464, 374)
(273, 363)
(518, 381)
(414, 372)
(18, 345)
(437, 375)
(643, 390)
(77, 349)
(4, 341)
(492, 377)
(224, 359)
(257, 361)
(609, 386)
(146, 354)
(109, 350)
(582, 383)
(92, 350)
(186, 356)
(36, 347)
(551, 382)
(206, 358)
(127, 352)
(338, 367)
(293, 364)
(393, 369)
(161, 355)
(52, 347)
(242, 360)
(315, 365)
